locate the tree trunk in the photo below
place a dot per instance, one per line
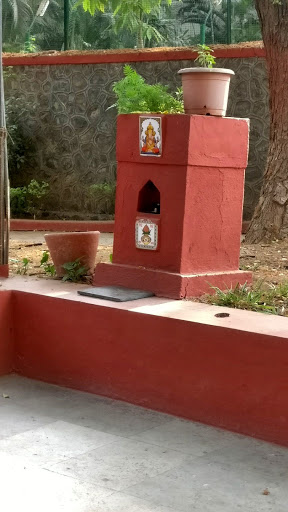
(140, 39)
(270, 219)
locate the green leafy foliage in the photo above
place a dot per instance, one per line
(135, 16)
(18, 202)
(45, 258)
(30, 45)
(245, 22)
(48, 267)
(17, 15)
(135, 95)
(272, 299)
(93, 5)
(75, 271)
(212, 14)
(22, 270)
(205, 57)
(38, 189)
(125, 23)
(19, 144)
(95, 32)
(102, 197)
(131, 15)
(28, 199)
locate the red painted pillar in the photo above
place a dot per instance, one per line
(179, 203)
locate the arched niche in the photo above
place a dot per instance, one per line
(149, 199)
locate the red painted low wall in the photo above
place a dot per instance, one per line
(221, 376)
(6, 333)
(61, 225)
(121, 56)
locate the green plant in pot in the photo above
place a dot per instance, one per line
(205, 88)
(134, 95)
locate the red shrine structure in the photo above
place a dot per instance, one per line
(179, 200)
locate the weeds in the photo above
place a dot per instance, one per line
(48, 268)
(22, 270)
(271, 300)
(75, 271)
(252, 267)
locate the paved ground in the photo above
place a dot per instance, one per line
(62, 450)
(38, 236)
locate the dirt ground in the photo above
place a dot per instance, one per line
(268, 262)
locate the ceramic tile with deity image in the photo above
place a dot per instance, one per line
(150, 136)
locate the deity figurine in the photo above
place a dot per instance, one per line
(150, 141)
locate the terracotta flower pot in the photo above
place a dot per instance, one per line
(205, 90)
(67, 247)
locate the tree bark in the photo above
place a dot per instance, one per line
(140, 39)
(270, 220)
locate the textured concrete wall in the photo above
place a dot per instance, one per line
(74, 133)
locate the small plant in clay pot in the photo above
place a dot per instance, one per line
(206, 89)
(72, 251)
(205, 57)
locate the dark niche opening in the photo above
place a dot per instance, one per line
(149, 199)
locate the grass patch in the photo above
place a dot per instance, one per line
(272, 299)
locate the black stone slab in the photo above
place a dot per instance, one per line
(115, 293)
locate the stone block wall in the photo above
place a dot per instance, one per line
(73, 133)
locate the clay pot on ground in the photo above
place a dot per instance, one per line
(68, 247)
(205, 90)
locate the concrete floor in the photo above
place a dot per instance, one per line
(63, 450)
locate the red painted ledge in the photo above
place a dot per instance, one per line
(121, 56)
(172, 356)
(106, 226)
